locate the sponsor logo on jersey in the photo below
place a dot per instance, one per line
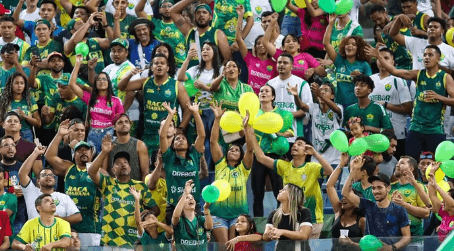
(258, 9)
(269, 68)
(304, 177)
(301, 62)
(57, 202)
(200, 231)
(331, 115)
(72, 177)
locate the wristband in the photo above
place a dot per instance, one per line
(381, 130)
(394, 247)
(385, 104)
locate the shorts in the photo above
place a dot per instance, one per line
(219, 222)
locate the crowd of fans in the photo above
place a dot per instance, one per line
(112, 148)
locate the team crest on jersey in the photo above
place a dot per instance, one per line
(438, 85)
(370, 117)
(131, 6)
(388, 87)
(451, 224)
(200, 231)
(57, 202)
(235, 174)
(304, 177)
(442, 57)
(257, 65)
(154, 115)
(55, 238)
(38, 238)
(72, 177)
(340, 36)
(150, 91)
(407, 193)
(423, 83)
(342, 69)
(269, 68)
(301, 62)
(330, 116)
(167, 93)
(258, 9)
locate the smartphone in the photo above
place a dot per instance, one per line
(35, 52)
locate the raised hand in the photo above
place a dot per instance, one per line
(192, 53)
(79, 59)
(357, 163)
(246, 119)
(217, 109)
(21, 113)
(308, 74)
(309, 150)
(409, 177)
(117, 14)
(231, 244)
(40, 150)
(107, 144)
(371, 51)
(332, 18)
(344, 159)
(45, 110)
(188, 187)
(63, 129)
(169, 109)
(240, 10)
(293, 89)
(315, 88)
(194, 107)
(135, 193)
(135, 71)
(92, 63)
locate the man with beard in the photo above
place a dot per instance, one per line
(165, 29)
(383, 217)
(81, 34)
(118, 223)
(389, 160)
(7, 31)
(144, 42)
(197, 36)
(9, 168)
(411, 194)
(78, 185)
(66, 208)
(120, 19)
(11, 63)
(137, 150)
(425, 160)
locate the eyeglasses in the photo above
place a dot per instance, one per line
(8, 145)
(427, 156)
(44, 175)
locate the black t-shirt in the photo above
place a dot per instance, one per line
(303, 218)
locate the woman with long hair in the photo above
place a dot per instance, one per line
(347, 217)
(16, 97)
(103, 106)
(210, 67)
(291, 221)
(246, 235)
(234, 168)
(304, 65)
(260, 65)
(350, 61)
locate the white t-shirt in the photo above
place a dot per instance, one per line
(425, 6)
(354, 13)
(285, 101)
(206, 77)
(323, 124)
(416, 47)
(112, 69)
(257, 7)
(385, 90)
(29, 17)
(65, 205)
(130, 9)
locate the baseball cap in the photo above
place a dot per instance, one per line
(82, 144)
(118, 116)
(120, 41)
(426, 155)
(166, 1)
(42, 21)
(54, 53)
(381, 177)
(9, 47)
(71, 23)
(121, 154)
(203, 6)
(4, 10)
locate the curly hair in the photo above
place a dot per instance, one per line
(6, 97)
(360, 44)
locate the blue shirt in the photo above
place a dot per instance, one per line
(29, 28)
(134, 52)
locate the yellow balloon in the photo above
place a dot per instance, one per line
(444, 186)
(231, 122)
(439, 174)
(301, 3)
(224, 189)
(449, 36)
(249, 101)
(269, 122)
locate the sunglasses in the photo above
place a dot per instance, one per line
(427, 156)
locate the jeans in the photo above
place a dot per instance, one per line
(208, 120)
(291, 25)
(96, 135)
(27, 134)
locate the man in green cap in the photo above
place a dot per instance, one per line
(120, 19)
(165, 30)
(203, 32)
(11, 64)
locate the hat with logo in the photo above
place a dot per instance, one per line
(120, 41)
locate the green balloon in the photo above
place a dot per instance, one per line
(288, 121)
(328, 6)
(82, 48)
(446, 245)
(190, 88)
(210, 193)
(280, 146)
(343, 7)
(377, 142)
(278, 5)
(339, 140)
(447, 167)
(358, 147)
(370, 243)
(444, 151)
(239, 1)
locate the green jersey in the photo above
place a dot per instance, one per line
(94, 51)
(411, 196)
(418, 22)
(57, 105)
(373, 115)
(23, 47)
(210, 35)
(9, 201)
(367, 193)
(190, 235)
(86, 195)
(169, 33)
(266, 140)
(118, 223)
(47, 85)
(4, 75)
(44, 50)
(26, 108)
(428, 115)
(124, 24)
(229, 96)
(226, 18)
(338, 34)
(402, 57)
(178, 171)
(160, 243)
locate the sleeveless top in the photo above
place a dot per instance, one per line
(354, 233)
(131, 148)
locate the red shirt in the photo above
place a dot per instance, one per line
(5, 227)
(248, 246)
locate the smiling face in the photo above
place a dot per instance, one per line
(231, 70)
(234, 153)
(19, 85)
(77, 132)
(291, 45)
(189, 202)
(207, 53)
(351, 48)
(380, 190)
(357, 130)
(142, 33)
(266, 94)
(56, 64)
(160, 67)
(259, 47)
(346, 204)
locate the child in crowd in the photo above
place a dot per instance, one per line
(246, 234)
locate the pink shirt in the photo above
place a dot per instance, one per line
(102, 115)
(259, 71)
(312, 36)
(446, 226)
(301, 63)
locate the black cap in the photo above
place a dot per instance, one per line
(137, 22)
(76, 121)
(381, 177)
(9, 47)
(12, 113)
(122, 154)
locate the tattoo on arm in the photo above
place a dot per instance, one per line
(179, 23)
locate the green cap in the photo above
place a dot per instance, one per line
(42, 21)
(71, 23)
(120, 41)
(166, 1)
(203, 6)
(82, 144)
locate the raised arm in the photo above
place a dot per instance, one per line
(79, 35)
(183, 99)
(216, 151)
(327, 168)
(315, 88)
(156, 174)
(394, 32)
(239, 38)
(347, 191)
(223, 45)
(177, 18)
(59, 165)
(184, 67)
(16, 14)
(292, 7)
(73, 79)
(26, 167)
(208, 219)
(106, 148)
(266, 40)
(261, 157)
(31, 80)
(419, 189)
(136, 195)
(66, 5)
(330, 190)
(313, 12)
(330, 51)
(135, 85)
(179, 208)
(163, 142)
(216, 83)
(199, 143)
(293, 89)
(250, 135)
(139, 9)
